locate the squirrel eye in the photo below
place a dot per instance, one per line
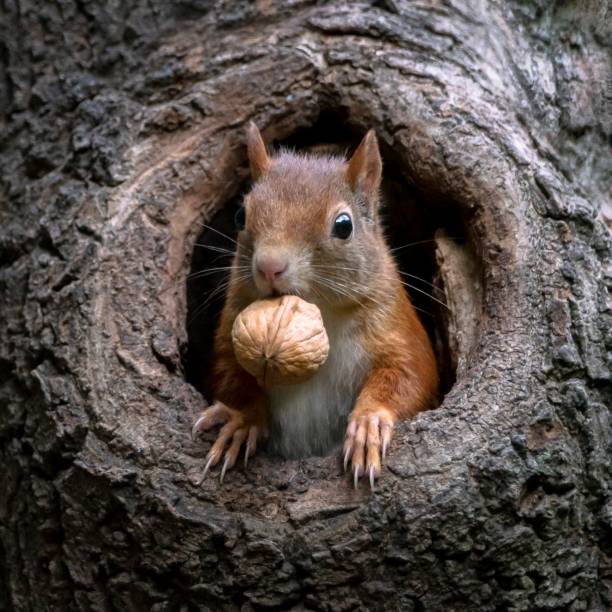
(240, 218)
(343, 226)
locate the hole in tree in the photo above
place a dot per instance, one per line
(410, 215)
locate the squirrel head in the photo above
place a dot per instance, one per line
(310, 224)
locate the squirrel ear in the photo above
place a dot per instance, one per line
(256, 151)
(365, 167)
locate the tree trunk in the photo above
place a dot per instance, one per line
(122, 132)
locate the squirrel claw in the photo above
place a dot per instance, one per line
(206, 468)
(235, 432)
(366, 443)
(347, 456)
(356, 475)
(195, 429)
(211, 416)
(224, 469)
(247, 452)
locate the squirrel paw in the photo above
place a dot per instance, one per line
(366, 442)
(237, 430)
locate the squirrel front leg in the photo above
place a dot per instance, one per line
(239, 404)
(403, 381)
(385, 398)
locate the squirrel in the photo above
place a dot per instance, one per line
(310, 227)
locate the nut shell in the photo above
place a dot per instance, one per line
(280, 341)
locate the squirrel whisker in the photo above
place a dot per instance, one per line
(360, 269)
(435, 299)
(410, 285)
(341, 288)
(214, 248)
(405, 246)
(212, 229)
(247, 250)
(208, 271)
(358, 293)
(219, 289)
(422, 280)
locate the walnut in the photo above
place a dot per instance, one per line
(280, 341)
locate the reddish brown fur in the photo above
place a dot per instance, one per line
(292, 207)
(404, 377)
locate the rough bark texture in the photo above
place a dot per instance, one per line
(122, 129)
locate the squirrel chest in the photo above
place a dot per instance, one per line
(310, 418)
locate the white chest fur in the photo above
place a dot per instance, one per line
(310, 418)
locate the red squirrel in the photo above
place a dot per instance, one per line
(310, 227)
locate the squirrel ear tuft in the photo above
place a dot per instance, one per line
(259, 161)
(365, 166)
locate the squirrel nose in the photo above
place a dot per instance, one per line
(271, 268)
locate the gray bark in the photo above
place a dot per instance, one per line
(122, 129)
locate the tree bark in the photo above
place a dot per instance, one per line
(122, 131)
